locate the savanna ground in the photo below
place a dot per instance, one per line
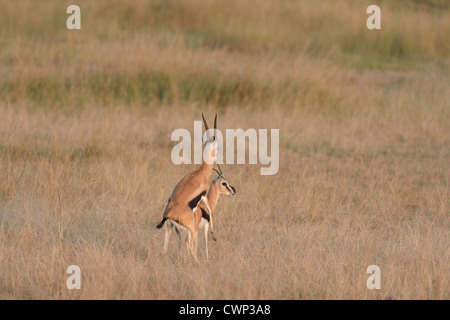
(364, 119)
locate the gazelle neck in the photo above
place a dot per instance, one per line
(213, 195)
(206, 168)
(209, 156)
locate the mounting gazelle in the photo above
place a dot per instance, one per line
(219, 186)
(183, 203)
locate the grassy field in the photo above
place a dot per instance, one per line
(364, 117)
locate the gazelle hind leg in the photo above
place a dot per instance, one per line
(191, 245)
(180, 240)
(168, 229)
(195, 244)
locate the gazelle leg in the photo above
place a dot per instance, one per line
(167, 235)
(205, 201)
(180, 240)
(206, 240)
(188, 240)
(191, 246)
(195, 244)
(212, 231)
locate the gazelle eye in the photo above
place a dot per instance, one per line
(224, 184)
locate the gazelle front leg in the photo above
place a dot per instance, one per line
(191, 245)
(205, 201)
(168, 232)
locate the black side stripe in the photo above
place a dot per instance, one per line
(194, 202)
(205, 215)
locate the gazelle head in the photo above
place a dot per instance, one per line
(210, 146)
(223, 187)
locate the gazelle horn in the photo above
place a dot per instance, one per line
(221, 173)
(206, 127)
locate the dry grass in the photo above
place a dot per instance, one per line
(85, 167)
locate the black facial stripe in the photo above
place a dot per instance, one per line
(194, 202)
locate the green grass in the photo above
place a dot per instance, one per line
(47, 65)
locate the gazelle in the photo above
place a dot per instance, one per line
(181, 209)
(218, 187)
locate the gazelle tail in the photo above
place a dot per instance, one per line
(160, 225)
